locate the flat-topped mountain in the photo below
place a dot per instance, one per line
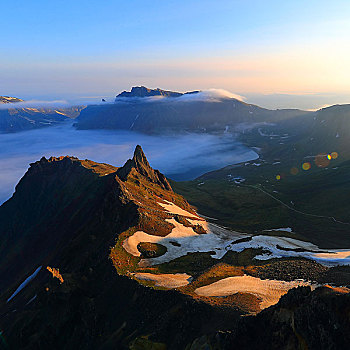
(142, 91)
(197, 111)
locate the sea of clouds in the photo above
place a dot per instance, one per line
(182, 157)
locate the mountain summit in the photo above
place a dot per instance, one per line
(139, 165)
(142, 91)
(75, 216)
(112, 258)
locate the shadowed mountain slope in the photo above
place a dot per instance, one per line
(177, 112)
(67, 213)
(65, 281)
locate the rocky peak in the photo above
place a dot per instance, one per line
(139, 165)
(139, 157)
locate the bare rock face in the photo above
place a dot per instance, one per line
(139, 165)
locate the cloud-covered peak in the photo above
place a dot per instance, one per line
(144, 94)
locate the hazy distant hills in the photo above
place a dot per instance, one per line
(21, 118)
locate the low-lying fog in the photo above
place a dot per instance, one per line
(182, 157)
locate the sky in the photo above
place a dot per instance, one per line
(275, 53)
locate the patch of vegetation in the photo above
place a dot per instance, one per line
(255, 205)
(243, 258)
(151, 250)
(192, 263)
(289, 269)
(337, 275)
(124, 262)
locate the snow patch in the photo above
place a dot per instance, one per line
(166, 280)
(24, 284)
(174, 209)
(269, 291)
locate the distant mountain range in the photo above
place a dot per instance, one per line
(16, 118)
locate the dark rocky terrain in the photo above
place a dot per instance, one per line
(67, 213)
(301, 320)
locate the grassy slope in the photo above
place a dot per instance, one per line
(249, 207)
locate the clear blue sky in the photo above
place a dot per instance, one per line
(55, 49)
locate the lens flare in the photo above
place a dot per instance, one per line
(306, 166)
(334, 155)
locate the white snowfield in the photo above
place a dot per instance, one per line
(269, 291)
(174, 209)
(183, 240)
(220, 240)
(186, 241)
(23, 284)
(166, 280)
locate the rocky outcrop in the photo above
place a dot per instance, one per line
(139, 165)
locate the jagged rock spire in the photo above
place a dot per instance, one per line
(140, 165)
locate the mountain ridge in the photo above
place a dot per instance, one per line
(77, 217)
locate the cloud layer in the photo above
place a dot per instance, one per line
(181, 157)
